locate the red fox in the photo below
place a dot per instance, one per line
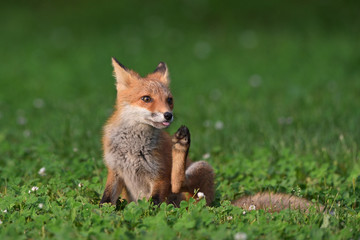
(144, 161)
(141, 158)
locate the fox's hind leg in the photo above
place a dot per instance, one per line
(200, 176)
(197, 176)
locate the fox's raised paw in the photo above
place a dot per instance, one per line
(181, 138)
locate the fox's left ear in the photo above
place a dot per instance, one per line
(163, 73)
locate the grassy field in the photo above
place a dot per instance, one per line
(270, 92)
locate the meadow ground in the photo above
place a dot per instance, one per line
(270, 92)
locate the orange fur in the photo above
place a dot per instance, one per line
(145, 161)
(150, 173)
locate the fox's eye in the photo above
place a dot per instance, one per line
(146, 99)
(170, 100)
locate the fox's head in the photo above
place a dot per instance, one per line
(145, 100)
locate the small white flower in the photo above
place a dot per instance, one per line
(252, 207)
(285, 120)
(27, 133)
(200, 195)
(244, 212)
(21, 120)
(41, 205)
(80, 185)
(255, 80)
(38, 103)
(42, 171)
(229, 218)
(34, 188)
(219, 125)
(29, 191)
(4, 211)
(240, 236)
(75, 149)
(215, 94)
(206, 156)
(341, 137)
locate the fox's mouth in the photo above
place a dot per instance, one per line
(166, 123)
(163, 124)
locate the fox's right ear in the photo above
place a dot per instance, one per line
(121, 74)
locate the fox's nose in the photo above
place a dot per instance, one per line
(168, 116)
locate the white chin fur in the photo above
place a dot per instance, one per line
(135, 115)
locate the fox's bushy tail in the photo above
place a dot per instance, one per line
(275, 202)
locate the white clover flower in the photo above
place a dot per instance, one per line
(200, 195)
(255, 80)
(42, 171)
(219, 125)
(215, 94)
(252, 207)
(4, 211)
(29, 191)
(285, 120)
(341, 137)
(206, 156)
(21, 120)
(27, 133)
(244, 212)
(229, 218)
(38, 103)
(80, 185)
(34, 188)
(41, 205)
(240, 236)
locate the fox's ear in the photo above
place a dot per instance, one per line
(163, 73)
(121, 74)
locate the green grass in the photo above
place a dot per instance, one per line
(282, 78)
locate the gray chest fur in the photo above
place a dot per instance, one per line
(131, 155)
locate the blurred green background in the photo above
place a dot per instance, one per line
(269, 89)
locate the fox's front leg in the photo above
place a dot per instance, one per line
(114, 185)
(180, 149)
(197, 176)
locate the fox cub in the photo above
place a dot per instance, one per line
(144, 161)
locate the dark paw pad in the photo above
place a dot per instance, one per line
(182, 135)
